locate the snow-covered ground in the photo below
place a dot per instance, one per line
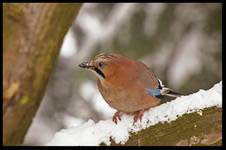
(91, 133)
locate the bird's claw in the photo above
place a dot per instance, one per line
(138, 115)
(116, 117)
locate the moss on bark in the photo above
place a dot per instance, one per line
(188, 130)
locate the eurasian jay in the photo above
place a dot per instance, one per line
(127, 85)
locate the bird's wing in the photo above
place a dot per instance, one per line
(148, 77)
(150, 82)
(153, 92)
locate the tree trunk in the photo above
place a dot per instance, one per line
(32, 36)
(194, 129)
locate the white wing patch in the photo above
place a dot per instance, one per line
(160, 82)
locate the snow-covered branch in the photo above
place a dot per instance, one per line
(175, 114)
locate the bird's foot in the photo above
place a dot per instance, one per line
(138, 115)
(116, 117)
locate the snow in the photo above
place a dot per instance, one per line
(93, 134)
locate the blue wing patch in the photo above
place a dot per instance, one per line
(153, 92)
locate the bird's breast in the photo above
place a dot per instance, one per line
(127, 98)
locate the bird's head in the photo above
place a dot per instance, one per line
(105, 65)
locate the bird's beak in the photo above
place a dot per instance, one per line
(90, 65)
(87, 65)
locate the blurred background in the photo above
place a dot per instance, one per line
(182, 43)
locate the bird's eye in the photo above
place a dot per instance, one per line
(101, 64)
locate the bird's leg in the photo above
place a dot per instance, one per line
(138, 115)
(116, 116)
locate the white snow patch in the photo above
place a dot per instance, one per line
(91, 133)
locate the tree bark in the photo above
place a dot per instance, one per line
(32, 36)
(194, 129)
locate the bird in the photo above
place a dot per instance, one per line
(127, 85)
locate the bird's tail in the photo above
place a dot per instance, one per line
(169, 92)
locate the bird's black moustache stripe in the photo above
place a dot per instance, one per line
(99, 72)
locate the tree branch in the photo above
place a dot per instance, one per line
(190, 129)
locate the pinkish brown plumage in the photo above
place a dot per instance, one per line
(127, 85)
